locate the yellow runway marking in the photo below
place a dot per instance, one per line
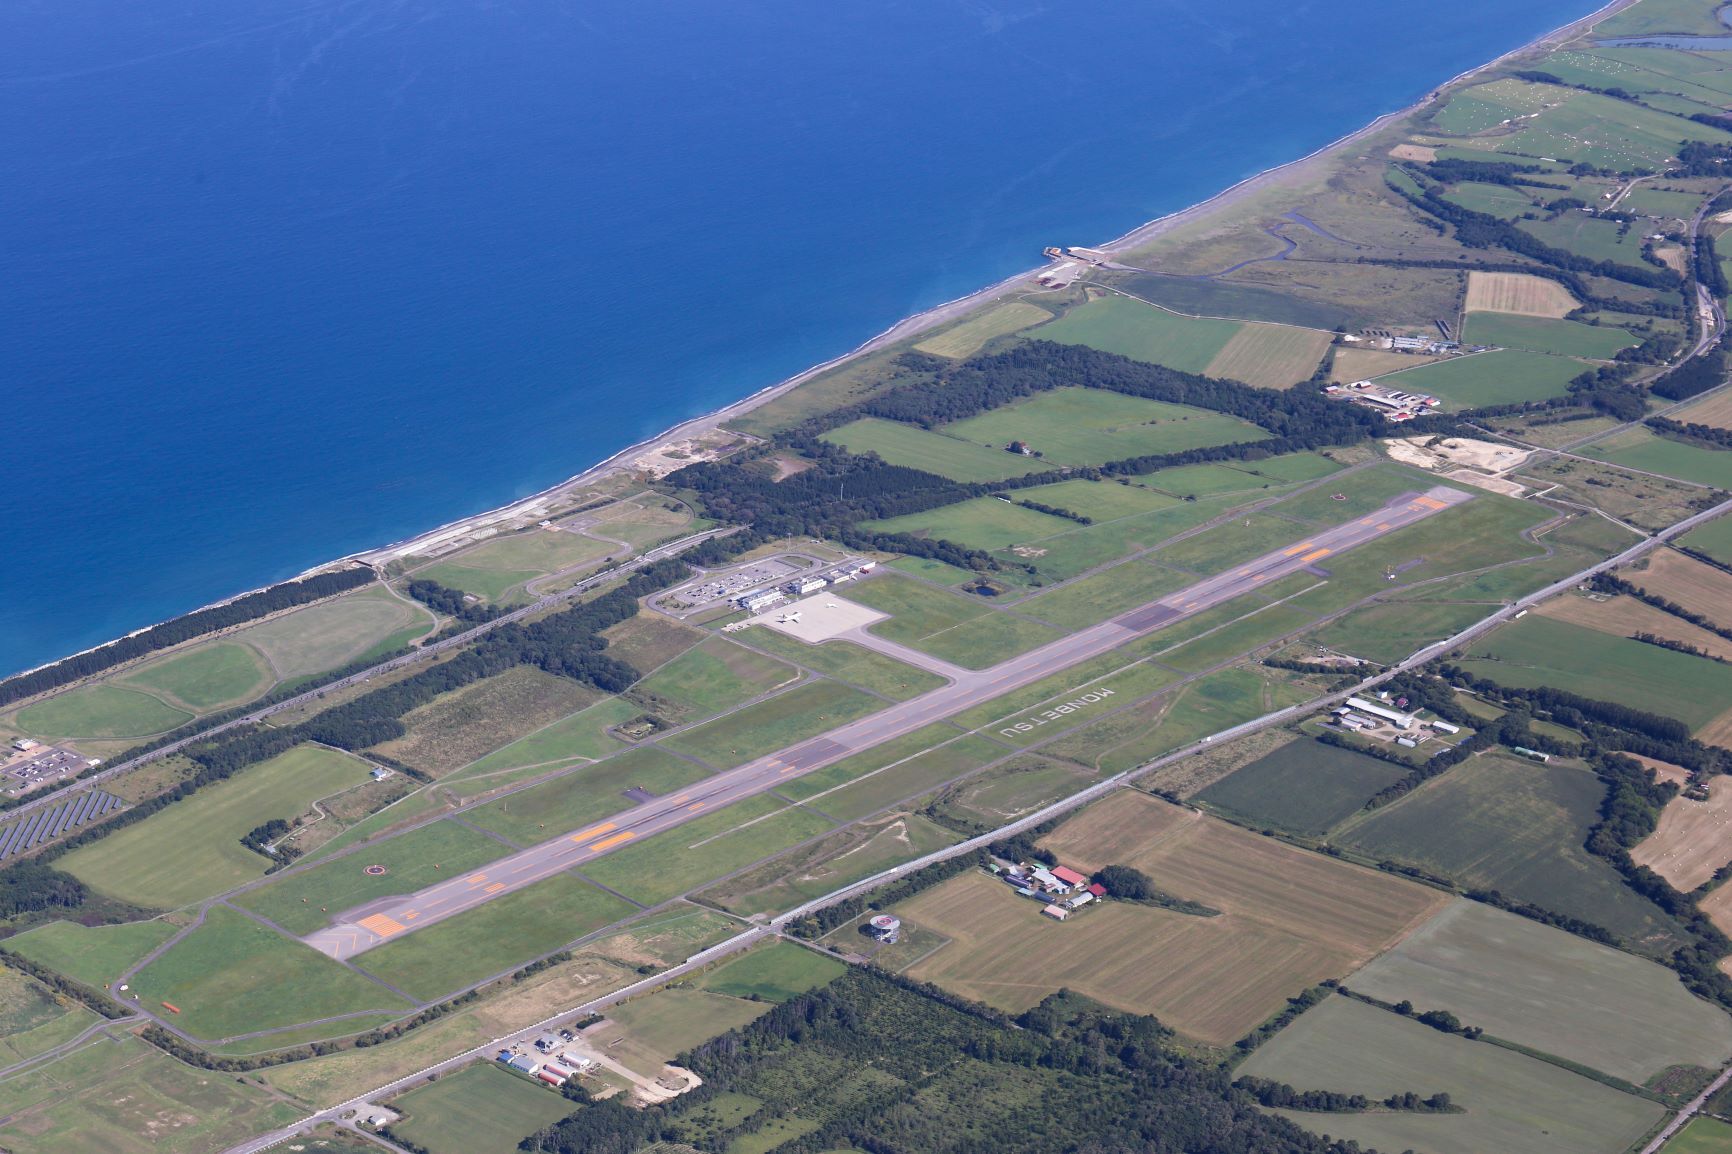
(1260, 577)
(696, 805)
(592, 831)
(682, 797)
(382, 925)
(1430, 503)
(612, 841)
(1298, 549)
(1310, 557)
(476, 880)
(494, 888)
(411, 915)
(1383, 527)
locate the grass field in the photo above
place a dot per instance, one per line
(1646, 200)
(1270, 356)
(327, 635)
(33, 1020)
(1131, 328)
(94, 955)
(1540, 651)
(916, 610)
(1697, 587)
(481, 1109)
(774, 973)
(1500, 378)
(191, 850)
(495, 569)
(308, 899)
(1702, 1136)
(1387, 633)
(232, 975)
(1589, 236)
(1628, 616)
(648, 641)
(1007, 792)
(967, 338)
(1496, 822)
(508, 931)
(843, 858)
(654, 869)
(716, 675)
(1305, 787)
(1646, 19)
(1102, 500)
(1551, 991)
(1715, 410)
(1545, 335)
(581, 736)
(646, 1033)
(1080, 426)
(1714, 539)
(1514, 1104)
(1692, 841)
(1356, 364)
(465, 724)
(124, 1097)
(204, 677)
(584, 795)
(885, 774)
(1094, 599)
(918, 448)
(1642, 449)
(97, 711)
(774, 723)
(851, 663)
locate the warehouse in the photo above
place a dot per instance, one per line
(1399, 720)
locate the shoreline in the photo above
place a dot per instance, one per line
(902, 329)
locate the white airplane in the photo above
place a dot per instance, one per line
(787, 619)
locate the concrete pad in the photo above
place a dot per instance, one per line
(824, 616)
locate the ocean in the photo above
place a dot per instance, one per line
(285, 279)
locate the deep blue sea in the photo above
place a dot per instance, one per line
(285, 279)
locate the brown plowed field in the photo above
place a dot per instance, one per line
(1693, 839)
(1625, 616)
(1716, 411)
(1519, 293)
(1270, 356)
(1697, 587)
(1664, 770)
(1353, 364)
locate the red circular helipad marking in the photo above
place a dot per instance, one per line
(374, 871)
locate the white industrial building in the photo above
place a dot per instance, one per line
(1397, 719)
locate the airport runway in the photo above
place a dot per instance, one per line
(386, 919)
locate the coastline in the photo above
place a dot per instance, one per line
(524, 509)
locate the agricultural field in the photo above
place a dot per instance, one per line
(1513, 1104)
(1590, 237)
(1544, 335)
(497, 568)
(1702, 1136)
(1305, 787)
(508, 931)
(1693, 839)
(1519, 293)
(1499, 823)
(772, 724)
(1654, 16)
(1270, 356)
(1357, 364)
(1505, 202)
(1551, 991)
(121, 1096)
(1714, 410)
(775, 973)
(336, 632)
(1501, 378)
(94, 955)
(1628, 616)
(99, 711)
(645, 1034)
(1647, 200)
(1081, 426)
(481, 1109)
(845, 857)
(459, 727)
(1539, 650)
(191, 850)
(917, 448)
(715, 676)
(1641, 448)
(1143, 332)
(1686, 581)
(972, 335)
(1714, 539)
(584, 795)
(303, 901)
(232, 975)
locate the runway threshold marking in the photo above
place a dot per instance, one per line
(494, 888)
(1310, 557)
(609, 843)
(382, 924)
(1430, 502)
(476, 880)
(592, 831)
(1298, 548)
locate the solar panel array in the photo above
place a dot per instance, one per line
(50, 822)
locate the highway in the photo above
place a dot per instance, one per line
(364, 927)
(424, 653)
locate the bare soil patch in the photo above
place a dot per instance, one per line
(1693, 839)
(1420, 152)
(1353, 364)
(1697, 587)
(1518, 293)
(1716, 411)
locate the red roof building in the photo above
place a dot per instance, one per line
(1068, 876)
(1098, 890)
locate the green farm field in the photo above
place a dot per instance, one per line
(652, 870)
(584, 795)
(918, 448)
(1714, 539)
(716, 675)
(1702, 1136)
(1132, 328)
(1543, 651)
(775, 972)
(847, 662)
(1687, 16)
(1500, 378)
(1502, 201)
(1305, 787)
(1545, 335)
(94, 955)
(583, 736)
(1270, 356)
(1513, 1104)
(1100, 500)
(99, 711)
(232, 975)
(1642, 449)
(336, 632)
(774, 723)
(1645, 200)
(646, 1033)
(969, 337)
(191, 850)
(497, 568)
(1497, 822)
(305, 900)
(481, 1109)
(1080, 426)
(1590, 237)
(204, 677)
(506, 932)
(1552, 991)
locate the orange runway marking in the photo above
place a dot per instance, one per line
(1429, 503)
(476, 880)
(697, 805)
(682, 797)
(1383, 527)
(382, 924)
(1260, 577)
(612, 841)
(1298, 549)
(592, 831)
(1310, 557)
(411, 915)
(494, 888)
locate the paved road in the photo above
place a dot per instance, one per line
(367, 926)
(425, 652)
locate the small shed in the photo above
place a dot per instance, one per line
(1058, 913)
